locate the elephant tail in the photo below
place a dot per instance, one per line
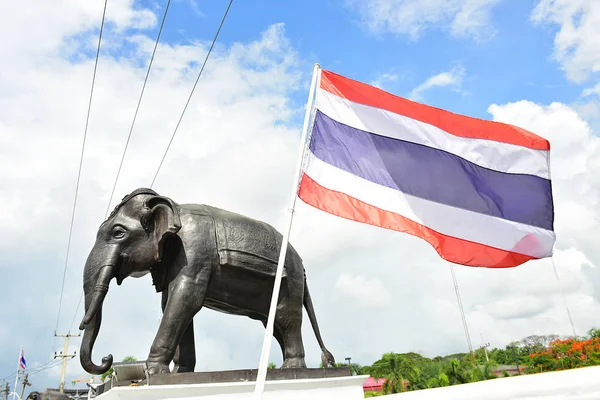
(326, 357)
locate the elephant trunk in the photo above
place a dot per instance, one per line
(87, 343)
(96, 283)
(96, 298)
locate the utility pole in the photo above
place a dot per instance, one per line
(5, 390)
(64, 355)
(25, 383)
(484, 347)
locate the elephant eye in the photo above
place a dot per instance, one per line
(118, 233)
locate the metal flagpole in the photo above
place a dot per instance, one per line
(564, 298)
(18, 369)
(266, 346)
(556, 274)
(462, 311)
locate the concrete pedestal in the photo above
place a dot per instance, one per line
(343, 388)
(289, 384)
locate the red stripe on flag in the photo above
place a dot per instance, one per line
(455, 124)
(449, 248)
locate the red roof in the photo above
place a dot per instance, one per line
(373, 384)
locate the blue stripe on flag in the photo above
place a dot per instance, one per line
(433, 174)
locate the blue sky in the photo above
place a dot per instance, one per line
(482, 58)
(515, 64)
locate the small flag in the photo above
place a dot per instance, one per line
(22, 362)
(478, 191)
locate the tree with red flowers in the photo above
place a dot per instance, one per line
(567, 354)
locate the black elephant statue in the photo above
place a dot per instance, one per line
(47, 395)
(198, 256)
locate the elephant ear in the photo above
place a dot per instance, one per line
(164, 221)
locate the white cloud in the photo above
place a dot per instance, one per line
(591, 91)
(577, 43)
(239, 126)
(452, 78)
(369, 292)
(236, 149)
(575, 151)
(527, 306)
(384, 78)
(462, 18)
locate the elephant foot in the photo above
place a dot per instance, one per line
(182, 369)
(294, 362)
(155, 368)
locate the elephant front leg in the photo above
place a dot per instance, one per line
(185, 354)
(184, 300)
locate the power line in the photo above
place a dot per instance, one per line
(191, 93)
(128, 138)
(137, 108)
(80, 164)
(76, 310)
(176, 127)
(55, 364)
(35, 370)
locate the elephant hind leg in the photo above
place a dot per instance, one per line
(289, 319)
(294, 350)
(278, 336)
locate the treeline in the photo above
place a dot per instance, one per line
(532, 354)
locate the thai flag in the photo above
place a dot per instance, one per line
(22, 362)
(478, 191)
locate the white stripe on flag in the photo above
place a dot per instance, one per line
(447, 220)
(498, 156)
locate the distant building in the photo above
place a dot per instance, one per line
(373, 384)
(510, 370)
(376, 384)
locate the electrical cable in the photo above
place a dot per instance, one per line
(76, 310)
(49, 366)
(79, 172)
(40, 367)
(191, 93)
(137, 108)
(128, 138)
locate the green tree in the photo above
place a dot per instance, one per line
(108, 374)
(459, 371)
(566, 354)
(483, 371)
(443, 379)
(594, 333)
(397, 369)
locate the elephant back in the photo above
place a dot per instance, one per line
(249, 243)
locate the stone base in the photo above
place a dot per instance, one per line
(300, 383)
